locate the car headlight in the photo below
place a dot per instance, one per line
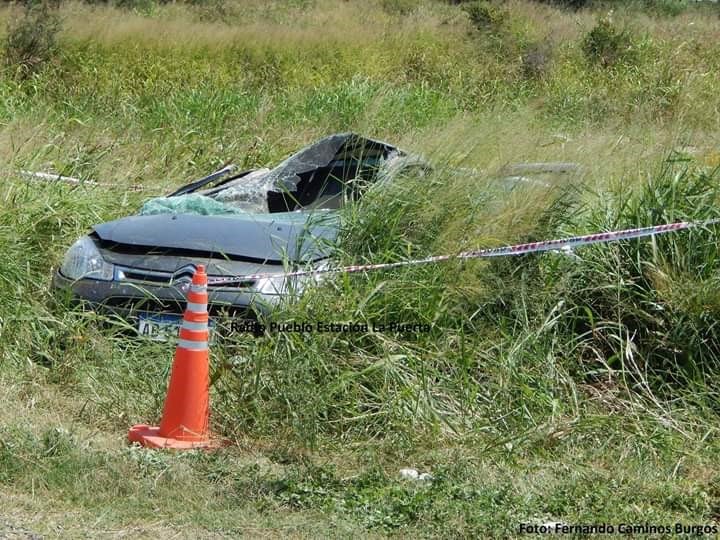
(271, 285)
(83, 260)
(282, 285)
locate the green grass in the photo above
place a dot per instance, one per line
(547, 389)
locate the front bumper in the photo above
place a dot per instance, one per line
(126, 299)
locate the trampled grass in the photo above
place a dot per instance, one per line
(548, 388)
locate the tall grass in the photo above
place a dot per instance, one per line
(636, 316)
(572, 367)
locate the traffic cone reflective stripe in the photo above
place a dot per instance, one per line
(192, 330)
(192, 316)
(194, 326)
(194, 306)
(185, 417)
(199, 297)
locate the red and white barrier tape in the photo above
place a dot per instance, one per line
(517, 249)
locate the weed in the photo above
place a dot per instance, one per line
(668, 8)
(31, 39)
(645, 306)
(574, 4)
(399, 7)
(606, 45)
(536, 60)
(485, 15)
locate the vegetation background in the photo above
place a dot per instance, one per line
(550, 388)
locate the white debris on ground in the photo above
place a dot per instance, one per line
(566, 251)
(414, 474)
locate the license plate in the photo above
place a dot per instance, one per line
(161, 327)
(158, 327)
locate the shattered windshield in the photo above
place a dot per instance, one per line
(323, 175)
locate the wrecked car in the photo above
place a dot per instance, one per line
(263, 221)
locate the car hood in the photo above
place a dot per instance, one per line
(267, 238)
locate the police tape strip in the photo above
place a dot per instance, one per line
(517, 249)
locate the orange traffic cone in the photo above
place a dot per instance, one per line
(184, 423)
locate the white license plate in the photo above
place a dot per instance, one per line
(159, 327)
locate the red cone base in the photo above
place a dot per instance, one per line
(150, 437)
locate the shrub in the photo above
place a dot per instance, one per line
(655, 299)
(31, 39)
(141, 6)
(536, 60)
(668, 8)
(572, 4)
(399, 7)
(210, 10)
(485, 15)
(606, 45)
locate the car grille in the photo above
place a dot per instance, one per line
(137, 275)
(155, 305)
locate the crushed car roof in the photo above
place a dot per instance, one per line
(314, 175)
(248, 216)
